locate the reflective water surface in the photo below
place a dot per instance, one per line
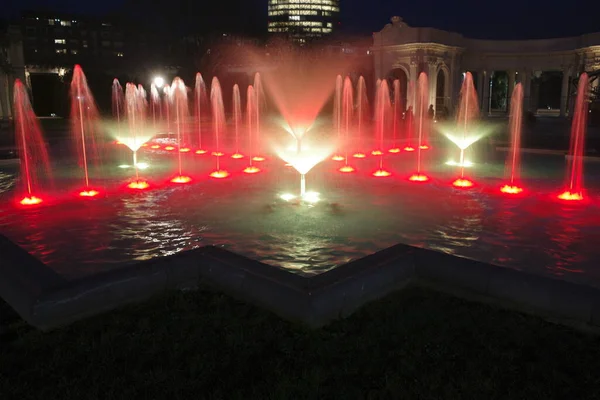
(358, 215)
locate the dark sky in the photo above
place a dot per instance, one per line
(507, 19)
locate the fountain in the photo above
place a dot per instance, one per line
(138, 134)
(218, 114)
(421, 125)
(167, 101)
(347, 107)
(237, 117)
(382, 116)
(180, 102)
(155, 101)
(117, 102)
(200, 103)
(260, 104)
(574, 189)
(337, 113)
(250, 115)
(84, 122)
(467, 116)
(513, 161)
(30, 145)
(409, 118)
(398, 107)
(362, 109)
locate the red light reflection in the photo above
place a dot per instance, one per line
(30, 201)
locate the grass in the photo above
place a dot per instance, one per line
(416, 344)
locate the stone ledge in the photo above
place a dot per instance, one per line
(46, 300)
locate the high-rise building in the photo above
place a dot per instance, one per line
(303, 20)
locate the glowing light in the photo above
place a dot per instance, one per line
(142, 165)
(424, 147)
(184, 150)
(418, 178)
(169, 148)
(124, 166)
(394, 150)
(258, 158)
(359, 155)
(466, 164)
(119, 142)
(338, 158)
(287, 197)
(181, 179)
(462, 183)
(288, 165)
(251, 170)
(159, 81)
(311, 197)
(346, 169)
(510, 189)
(377, 152)
(409, 148)
(139, 185)
(571, 196)
(155, 146)
(237, 156)
(89, 193)
(219, 174)
(200, 151)
(30, 201)
(381, 173)
(145, 145)
(218, 153)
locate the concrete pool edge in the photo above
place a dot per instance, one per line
(46, 300)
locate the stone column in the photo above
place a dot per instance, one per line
(412, 83)
(480, 84)
(564, 92)
(511, 87)
(432, 78)
(485, 104)
(4, 104)
(526, 82)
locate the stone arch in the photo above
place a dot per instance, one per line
(401, 73)
(443, 90)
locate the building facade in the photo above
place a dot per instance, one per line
(403, 52)
(303, 20)
(12, 66)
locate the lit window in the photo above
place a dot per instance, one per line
(60, 41)
(119, 54)
(50, 22)
(294, 18)
(61, 51)
(65, 23)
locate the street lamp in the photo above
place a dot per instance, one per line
(159, 81)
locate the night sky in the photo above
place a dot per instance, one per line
(474, 18)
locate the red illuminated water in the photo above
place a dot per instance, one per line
(468, 113)
(200, 104)
(362, 110)
(237, 119)
(421, 125)
(574, 189)
(398, 109)
(250, 115)
(84, 127)
(513, 160)
(347, 120)
(218, 115)
(167, 104)
(383, 113)
(135, 99)
(259, 93)
(180, 104)
(30, 145)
